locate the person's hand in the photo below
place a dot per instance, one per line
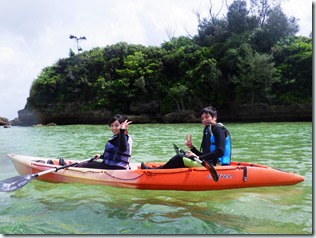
(188, 141)
(190, 154)
(97, 156)
(125, 124)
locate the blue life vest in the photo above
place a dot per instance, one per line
(225, 159)
(112, 156)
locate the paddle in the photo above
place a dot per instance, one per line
(14, 183)
(204, 163)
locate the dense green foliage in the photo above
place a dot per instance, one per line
(242, 58)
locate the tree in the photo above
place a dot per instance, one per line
(211, 29)
(177, 92)
(255, 76)
(294, 59)
(277, 26)
(261, 8)
(237, 17)
(206, 76)
(77, 39)
(228, 61)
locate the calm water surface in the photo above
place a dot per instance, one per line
(46, 208)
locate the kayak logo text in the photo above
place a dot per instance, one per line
(223, 176)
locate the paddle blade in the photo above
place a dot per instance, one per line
(176, 148)
(14, 183)
(212, 170)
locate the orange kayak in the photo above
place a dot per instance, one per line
(237, 175)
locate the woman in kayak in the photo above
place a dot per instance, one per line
(117, 152)
(215, 146)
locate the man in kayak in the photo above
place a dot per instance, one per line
(117, 152)
(215, 146)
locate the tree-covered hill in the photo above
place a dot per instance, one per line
(250, 56)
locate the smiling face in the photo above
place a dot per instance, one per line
(207, 119)
(115, 127)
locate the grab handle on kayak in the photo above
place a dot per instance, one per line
(245, 173)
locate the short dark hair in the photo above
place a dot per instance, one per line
(210, 110)
(118, 117)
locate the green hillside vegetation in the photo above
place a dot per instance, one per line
(246, 57)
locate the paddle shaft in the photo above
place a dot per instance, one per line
(61, 167)
(198, 160)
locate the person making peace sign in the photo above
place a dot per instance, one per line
(215, 146)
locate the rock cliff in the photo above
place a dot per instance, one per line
(4, 121)
(149, 113)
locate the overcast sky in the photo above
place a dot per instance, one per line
(35, 33)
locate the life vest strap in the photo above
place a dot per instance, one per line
(118, 152)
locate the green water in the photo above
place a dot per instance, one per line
(46, 208)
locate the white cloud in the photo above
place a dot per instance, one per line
(7, 54)
(35, 33)
(301, 10)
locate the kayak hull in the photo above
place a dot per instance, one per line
(237, 175)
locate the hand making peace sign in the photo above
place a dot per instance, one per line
(188, 141)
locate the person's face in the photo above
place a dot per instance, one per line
(207, 119)
(115, 127)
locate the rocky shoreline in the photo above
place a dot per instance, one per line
(232, 113)
(5, 122)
